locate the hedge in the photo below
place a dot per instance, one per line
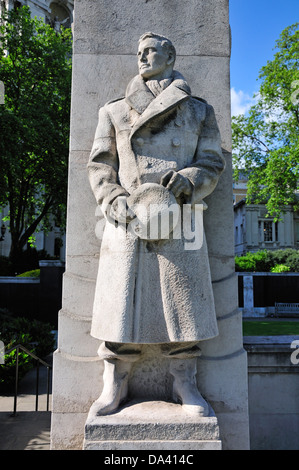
(269, 261)
(35, 273)
(34, 335)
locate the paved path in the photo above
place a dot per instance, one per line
(28, 430)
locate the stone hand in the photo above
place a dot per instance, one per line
(177, 183)
(120, 211)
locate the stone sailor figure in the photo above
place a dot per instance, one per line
(158, 143)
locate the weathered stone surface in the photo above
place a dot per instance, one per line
(273, 373)
(157, 423)
(67, 430)
(199, 28)
(77, 381)
(155, 445)
(116, 71)
(74, 337)
(158, 146)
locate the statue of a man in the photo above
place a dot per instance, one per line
(57, 24)
(156, 141)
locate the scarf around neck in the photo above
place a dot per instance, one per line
(139, 94)
(157, 86)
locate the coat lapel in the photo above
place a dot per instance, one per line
(141, 98)
(138, 95)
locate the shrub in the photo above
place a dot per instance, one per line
(38, 334)
(260, 261)
(34, 335)
(265, 260)
(280, 268)
(245, 263)
(8, 369)
(33, 273)
(290, 257)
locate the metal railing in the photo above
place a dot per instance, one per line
(39, 361)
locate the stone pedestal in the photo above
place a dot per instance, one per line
(151, 425)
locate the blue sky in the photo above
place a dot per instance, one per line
(256, 25)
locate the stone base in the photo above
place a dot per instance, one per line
(151, 425)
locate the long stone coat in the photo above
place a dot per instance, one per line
(153, 292)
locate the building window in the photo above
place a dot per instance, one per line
(268, 231)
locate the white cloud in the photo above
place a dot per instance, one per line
(240, 102)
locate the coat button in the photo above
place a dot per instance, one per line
(178, 122)
(176, 142)
(140, 141)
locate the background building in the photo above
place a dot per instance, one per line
(53, 12)
(255, 230)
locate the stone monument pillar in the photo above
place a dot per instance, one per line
(105, 39)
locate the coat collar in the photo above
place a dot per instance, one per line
(139, 97)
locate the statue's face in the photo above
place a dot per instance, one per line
(153, 59)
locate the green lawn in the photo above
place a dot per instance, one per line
(270, 328)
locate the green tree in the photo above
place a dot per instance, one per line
(35, 68)
(266, 139)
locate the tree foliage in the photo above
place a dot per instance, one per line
(266, 140)
(35, 68)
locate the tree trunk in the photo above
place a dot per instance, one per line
(25, 260)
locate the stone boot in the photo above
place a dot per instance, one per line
(116, 375)
(185, 389)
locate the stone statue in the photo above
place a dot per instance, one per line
(157, 145)
(57, 23)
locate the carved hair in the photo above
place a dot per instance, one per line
(165, 42)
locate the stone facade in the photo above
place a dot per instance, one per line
(48, 10)
(254, 230)
(273, 367)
